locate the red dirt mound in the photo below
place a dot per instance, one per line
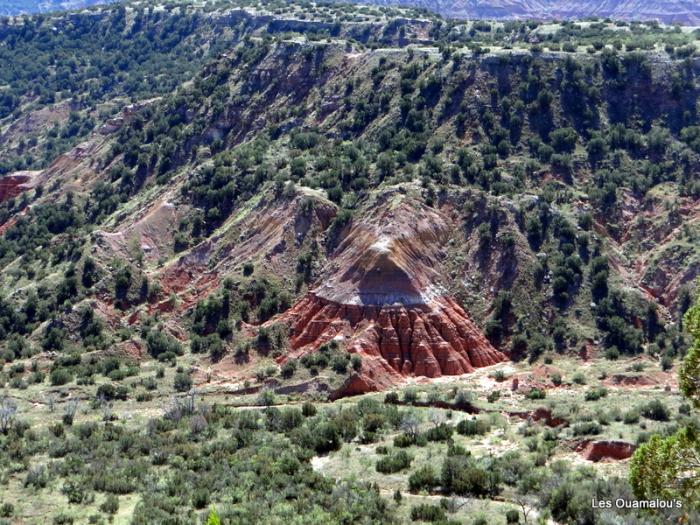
(602, 450)
(382, 295)
(15, 184)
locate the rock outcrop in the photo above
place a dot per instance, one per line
(383, 299)
(607, 450)
(15, 184)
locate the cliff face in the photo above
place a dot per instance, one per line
(668, 11)
(384, 299)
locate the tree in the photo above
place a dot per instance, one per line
(690, 371)
(213, 518)
(8, 408)
(563, 140)
(669, 468)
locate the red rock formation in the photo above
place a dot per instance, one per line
(427, 340)
(15, 184)
(602, 450)
(383, 299)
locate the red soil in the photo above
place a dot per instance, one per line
(426, 340)
(15, 184)
(383, 298)
(606, 450)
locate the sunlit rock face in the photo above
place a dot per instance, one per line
(383, 298)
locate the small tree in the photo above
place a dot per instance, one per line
(213, 518)
(8, 409)
(669, 467)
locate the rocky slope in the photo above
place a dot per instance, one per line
(16, 7)
(405, 203)
(667, 11)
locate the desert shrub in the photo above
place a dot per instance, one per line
(7, 510)
(391, 398)
(631, 417)
(394, 462)
(473, 427)
(308, 409)
(159, 344)
(410, 396)
(594, 394)
(536, 393)
(110, 505)
(200, 498)
(425, 512)
(288, 369)
(60, 376)
(612, 353)
(464, 399)
(326, 438)
(37, 477)
(462, 475)
(424, 478)
(108, 392)
(441, 432)
(584, 428)
(408, 440)
(656, 410)
(182, 382)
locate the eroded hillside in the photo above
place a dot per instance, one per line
(330, 203)
(529, 212)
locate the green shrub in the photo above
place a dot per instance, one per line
(586, 428)
(159, 343)
(473, 427)
(440, 432)
(425, 512)
(60, 376)
(7, 510)
(391, 398)
(110, 505)
(424, 478)
(288, 369)
(308, 409)
(536, 393)
(656, 410)
(394, 462)
(462, 475)
(579, 378)
(182, 382)
(595, 394)
(410, 396)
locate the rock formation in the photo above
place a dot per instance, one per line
(383, 298)
(607, 450)
(15, 184)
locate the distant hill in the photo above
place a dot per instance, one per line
(16, 7)
(668, 11)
